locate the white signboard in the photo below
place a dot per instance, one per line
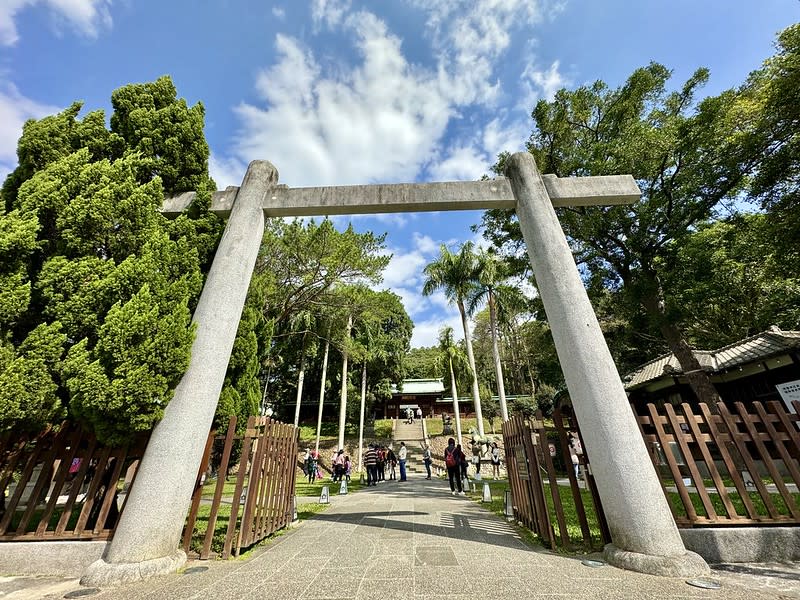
(789, 391)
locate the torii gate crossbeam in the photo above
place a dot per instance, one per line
(283, 201)
(643, 531)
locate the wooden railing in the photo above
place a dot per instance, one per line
(530, 449)
(63, 485)
(727, 467)
(263, 488)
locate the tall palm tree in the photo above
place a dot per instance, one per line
(454, 274)
(489, 288)
(454, 358)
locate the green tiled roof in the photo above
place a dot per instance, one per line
(420, 386)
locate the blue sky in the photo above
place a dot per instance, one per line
(348, 91)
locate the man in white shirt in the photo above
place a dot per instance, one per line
(401, 458)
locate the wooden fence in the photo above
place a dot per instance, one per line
(63, 485)
(263, 490)
(727, 467)
(532, 453)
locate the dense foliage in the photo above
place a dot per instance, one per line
(679, 269)
(96, 287)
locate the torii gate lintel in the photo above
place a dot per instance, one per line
(284, 201)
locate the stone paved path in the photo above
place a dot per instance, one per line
(415, 541)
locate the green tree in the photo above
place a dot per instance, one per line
(684, 156)
(420, 363)
(453, 359)
(455, 275)
(768, 114)
(98, 287)
(730, 282)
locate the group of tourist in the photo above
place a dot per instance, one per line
(341, 466)
(379, 459)
(410, 413)
(456, 462)
(381, 464)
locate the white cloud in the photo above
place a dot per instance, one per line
(331, 12)
(226, 171)
(470, 37)
(87, 17)
(15, 109)
(499, 137)
(379, 121)
(539, 84)
(405, 269)
(426, 333)
(475, 157)
(384, 118)
(462, 163)
(279, 13)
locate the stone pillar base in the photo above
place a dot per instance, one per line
(104, 574)
(689, 564)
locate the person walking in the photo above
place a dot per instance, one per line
(348, 467)
(575, 450)
(495, 461)
(371, 464)
(391, 460)
(452, 460)
(311, 465)
(402, 455)
(427, 459)
(419, 413)
(339, 465)
(381, 452)
(410, 416)
(462, 461)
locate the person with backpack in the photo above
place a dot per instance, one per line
(463, 464)
(311, 465)
(452, 460)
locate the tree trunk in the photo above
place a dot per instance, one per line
(527, 355)
(361, 419)
(476, 395)
(498, 368)
(300, 378)
(698, 379)
(456, 408)
(322, 389)
(343, 397)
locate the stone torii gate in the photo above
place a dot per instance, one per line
(645, 537)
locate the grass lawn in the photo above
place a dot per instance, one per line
(329, 431)
(497, 506)
(303, 488)
(435, 426)
(679, 509)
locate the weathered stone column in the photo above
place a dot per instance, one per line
(643, 531)
(146, 541)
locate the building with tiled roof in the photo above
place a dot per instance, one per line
(761, 367)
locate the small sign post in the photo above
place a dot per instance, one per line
(324, 497)
(343, 488)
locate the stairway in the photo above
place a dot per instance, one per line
(412, 436)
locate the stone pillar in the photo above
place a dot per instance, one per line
(146, 541)
(644, 534)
